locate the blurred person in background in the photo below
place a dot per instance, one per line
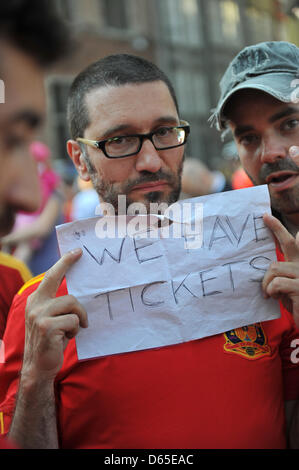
(199, 180)
(240, 179)
(86, 202)
(69, 187)
(33, 238)
(259, 104)
(32, 37)
(13, 274)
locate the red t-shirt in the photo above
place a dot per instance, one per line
(224, 391)
(13, 274)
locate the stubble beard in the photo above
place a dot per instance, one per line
(287, 201)
(110, 192)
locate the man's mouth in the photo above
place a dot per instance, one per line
(151, 186)
(281, 180)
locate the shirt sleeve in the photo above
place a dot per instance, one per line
(13, 275)
(13, 343)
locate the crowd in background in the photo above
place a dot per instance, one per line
(33, 237)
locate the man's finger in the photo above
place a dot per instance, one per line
(283, 285)
(285, 239)
(281, 269)
(59, 306)
(54, 276)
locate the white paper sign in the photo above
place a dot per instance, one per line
(155, 288)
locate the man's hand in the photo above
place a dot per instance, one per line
(281, 281)
(50, 322)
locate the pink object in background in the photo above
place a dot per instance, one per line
(40, 151)
(49, 180)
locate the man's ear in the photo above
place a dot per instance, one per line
(76, 155)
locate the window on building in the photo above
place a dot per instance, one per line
(195, 147)
(260, 25)
(192, 91)
(115, 14)
(58, 89)
(65, 8)
(224, 22)
(180, 20)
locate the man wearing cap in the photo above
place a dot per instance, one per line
(260, 104)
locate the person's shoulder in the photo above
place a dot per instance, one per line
(10, 263)
(30, 286)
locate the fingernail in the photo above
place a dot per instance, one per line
(76, 251)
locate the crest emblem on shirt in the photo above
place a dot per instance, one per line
(248, 341)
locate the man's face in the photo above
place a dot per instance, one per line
(151, 175)
(19, 117)
(264, 129)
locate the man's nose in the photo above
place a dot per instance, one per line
(148, 158)
(272, 149)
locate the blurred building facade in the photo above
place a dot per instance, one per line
(191, 40)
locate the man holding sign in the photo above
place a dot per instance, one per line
(259, 103)
(127, 137)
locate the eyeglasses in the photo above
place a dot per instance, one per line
(127, 145)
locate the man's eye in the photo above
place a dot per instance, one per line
(115, 140)
(249, 139)
(120, 140)
(163, 131)
(290, 124)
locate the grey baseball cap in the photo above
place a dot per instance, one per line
(268, 66)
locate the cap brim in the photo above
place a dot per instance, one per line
(276, 84)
